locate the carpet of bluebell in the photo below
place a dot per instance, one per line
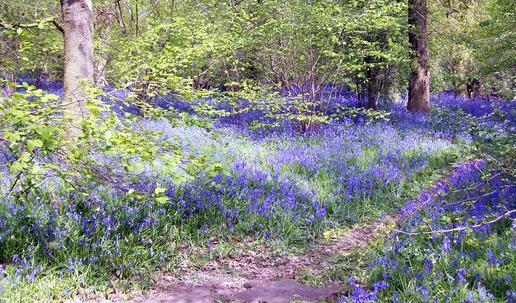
(283, 186)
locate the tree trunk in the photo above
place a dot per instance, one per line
(372, 101)
(419, 83)
(7, 88)
(78, 45)
(371, 87)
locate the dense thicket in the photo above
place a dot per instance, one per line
(471, 48)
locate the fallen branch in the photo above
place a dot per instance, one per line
(445, 231)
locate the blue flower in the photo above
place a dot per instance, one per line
(461, 273)
(446, 247)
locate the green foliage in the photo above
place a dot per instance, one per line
(109, 150)
(496, 50)
(182, 48)
(305, 116)
(475, 40)
(452, 53)
(21, 47)
(30, 132)
(293, 46)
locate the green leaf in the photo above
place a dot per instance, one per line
(163, 200)
(32, 144)
(159, 190)
(108, 135)
(135, 167)
(16, 167)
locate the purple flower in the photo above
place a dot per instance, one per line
(446, 247)
(461, 273)
(491, 258)
(378, 286)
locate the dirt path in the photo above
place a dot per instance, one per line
(261, 274)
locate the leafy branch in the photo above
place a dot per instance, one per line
(38, 24)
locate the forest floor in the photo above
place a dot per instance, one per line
(259, 273)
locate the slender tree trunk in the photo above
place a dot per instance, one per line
(372, 101)
(371, 88)
(419, 83)
(8, 89)
(9, 48)
(78, 45)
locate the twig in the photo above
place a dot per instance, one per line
(445, 231)
(472, 199)
(52, 20)
(477, 185)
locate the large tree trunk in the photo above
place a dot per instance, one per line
(419, 83)
(78, 44)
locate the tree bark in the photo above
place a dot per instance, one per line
(419, 83)
(78, 46)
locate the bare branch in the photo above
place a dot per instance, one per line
(5, 25)
(58, 25)
(445, 231)
(52, 20)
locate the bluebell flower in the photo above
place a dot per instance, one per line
(446, 247)
(461, 273)
(491, 258)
